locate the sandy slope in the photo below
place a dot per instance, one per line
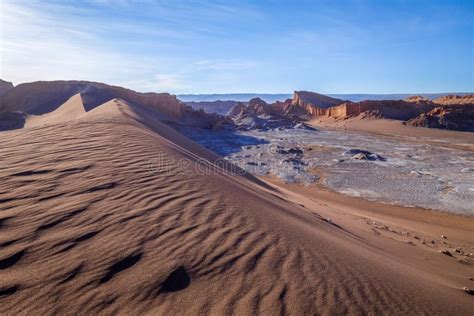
(96, 216)
(71, 109)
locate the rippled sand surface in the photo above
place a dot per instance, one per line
(97, 216)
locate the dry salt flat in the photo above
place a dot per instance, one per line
(356, 164)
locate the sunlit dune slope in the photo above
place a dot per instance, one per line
(71, 109)
(116, 212)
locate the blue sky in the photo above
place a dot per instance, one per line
(243, 46)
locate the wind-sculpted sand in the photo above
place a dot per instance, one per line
(71, 109)
(101, 215)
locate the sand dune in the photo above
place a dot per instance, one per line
(71, 109)
(100, 214)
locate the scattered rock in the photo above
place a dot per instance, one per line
(468, 290)
(443, 236)
(293, 161)
(295, 150)
(360, 156)
(364, 155)
(446, 252)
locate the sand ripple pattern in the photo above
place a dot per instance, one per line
(86, 228)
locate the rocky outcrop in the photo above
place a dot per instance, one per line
(199, 118)
(237, 110)
(306, 105)
(217, 107)
(258, 114)
(259, 107)
(5, 86)
(417, 99)
(12, 120)
(456, 117)
(255, 107)
(389, 109)
(449, 112)
(467, 99)
(45, 96)
(305, 98)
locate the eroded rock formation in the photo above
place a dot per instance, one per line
(5, 86)
(450, 112)
(455, 117)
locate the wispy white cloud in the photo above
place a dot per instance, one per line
(222, 65)
(229, 46)
(159, 82)
(53, 41)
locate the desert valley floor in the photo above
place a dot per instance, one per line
(410, 171)
(97, 217)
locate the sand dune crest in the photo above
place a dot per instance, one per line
(71, 109)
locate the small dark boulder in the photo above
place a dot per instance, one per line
(296, 151)
(364, 155)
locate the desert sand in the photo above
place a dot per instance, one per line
(100, 215)
(71, 109)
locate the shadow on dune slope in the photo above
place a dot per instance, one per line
(88, 227)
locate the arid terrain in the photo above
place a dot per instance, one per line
(119, 202)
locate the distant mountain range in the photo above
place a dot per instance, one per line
(241, 97)
(270, 98)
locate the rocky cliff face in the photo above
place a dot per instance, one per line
(237, 110)
(306, 105)
(450, 112)
(5, 86)
(38, 98)
(259, 107)
(389, 109)
(217, 107)
(45, 96)
(255, 107)
(306, 98)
